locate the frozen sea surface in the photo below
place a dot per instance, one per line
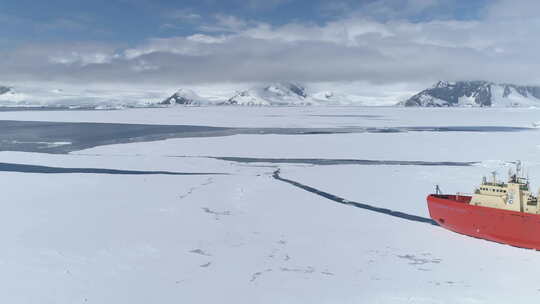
(122, 222)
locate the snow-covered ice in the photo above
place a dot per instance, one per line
(242, 236)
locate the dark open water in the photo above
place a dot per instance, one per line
(36, 136)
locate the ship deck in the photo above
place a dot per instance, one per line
(453, 197)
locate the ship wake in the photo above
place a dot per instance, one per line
(410, 217)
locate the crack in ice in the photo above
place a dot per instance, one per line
(335, 198)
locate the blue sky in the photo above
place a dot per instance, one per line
(150, 42)
(132, 21)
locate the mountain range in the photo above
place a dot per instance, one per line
(275, 94)
(442, 94)
(475, 94)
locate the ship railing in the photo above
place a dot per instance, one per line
(494, 184)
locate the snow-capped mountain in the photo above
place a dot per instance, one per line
(273, 94)
(4, 90)
(475, 94)
(185, 97)
(24, 96)
(334, 98)
(9, 95)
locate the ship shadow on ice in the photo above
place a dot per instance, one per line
(23, 168)
(335, 198)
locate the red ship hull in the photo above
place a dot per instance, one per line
(453, 212)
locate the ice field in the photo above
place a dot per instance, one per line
(201, 218)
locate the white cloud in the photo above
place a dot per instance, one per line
(202, 38)
(192, 46)
(508, 9)
(82, 59)
(143, 65)
(356, 48)
(224, 23)
(183, 15)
